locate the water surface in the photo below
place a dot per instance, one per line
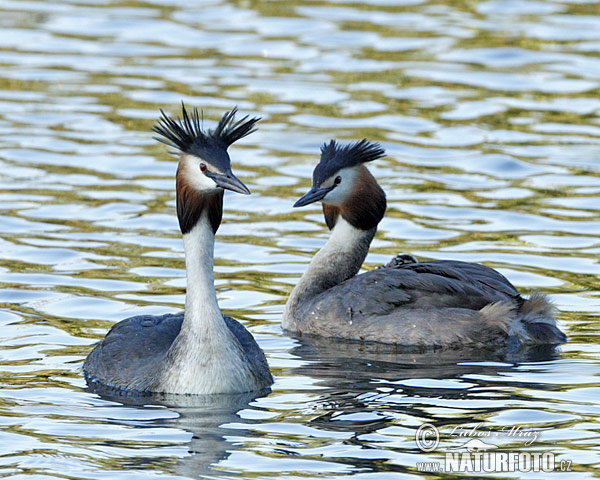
(490, 114)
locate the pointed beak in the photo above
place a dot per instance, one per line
(228, 181)
(313, 195)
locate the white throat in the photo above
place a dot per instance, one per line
(201, 306)
(343, 238)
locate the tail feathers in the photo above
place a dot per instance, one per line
(538, 309)
(499, 315)
(538, 323)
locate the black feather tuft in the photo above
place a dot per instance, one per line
(180, 134)
(229, 131)
(186, 133)
(334, 157)
(352, 154)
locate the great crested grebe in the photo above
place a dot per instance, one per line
(437, 303)
(200, 351)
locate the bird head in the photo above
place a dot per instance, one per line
(204, 169)
(345, 186)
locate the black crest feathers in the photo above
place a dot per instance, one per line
(334, 157)
(352, 154)
(229, 131)
(186, 133)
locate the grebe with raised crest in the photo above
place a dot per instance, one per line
(200, 351)
(436, 303)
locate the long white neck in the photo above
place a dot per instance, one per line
(201, 307)
(339, 259)
(205, 357)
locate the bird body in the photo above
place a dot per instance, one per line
(437, 303)
(128, 358)
(200, 351)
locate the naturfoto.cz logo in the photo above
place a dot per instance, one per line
(477, 455)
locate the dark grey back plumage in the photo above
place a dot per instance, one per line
(134, 349)
(443, 303)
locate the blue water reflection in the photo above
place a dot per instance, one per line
(490, 116)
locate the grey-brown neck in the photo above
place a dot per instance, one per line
(339, 259)
(353, 226)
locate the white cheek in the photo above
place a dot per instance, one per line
(194, 176)
(343, 191)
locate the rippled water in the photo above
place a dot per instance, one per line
(490, 114)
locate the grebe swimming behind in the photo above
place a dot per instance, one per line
(200, 351)
(438, 303)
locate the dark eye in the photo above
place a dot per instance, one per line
(203, 167)
(337, 180)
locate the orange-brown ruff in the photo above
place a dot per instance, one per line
(439, 303)
(191, 204)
